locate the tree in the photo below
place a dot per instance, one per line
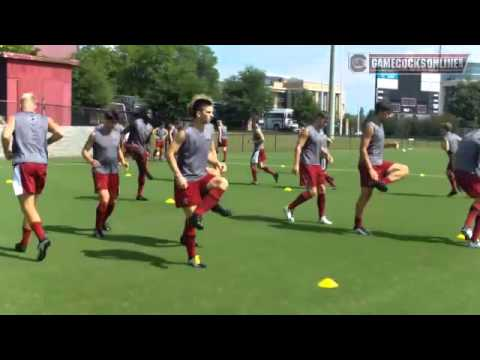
(362, 114)
(22, 49)
(167, 76)
(94, 81)
(465, 102)
(246, 93)
(304, 106)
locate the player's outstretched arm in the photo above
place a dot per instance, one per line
(55, 130)
(302, 139)
(172, 159)
(7, 137)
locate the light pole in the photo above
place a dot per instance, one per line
(332, 92)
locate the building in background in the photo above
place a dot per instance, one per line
(49, 79)
(284, 89)
(450, 81)
(57, 51)
(409, 94)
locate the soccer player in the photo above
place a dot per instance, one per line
(259, 156)
(311, 146)
(28, 131)
(375, 172)
(160, 135)
(222, 139)
(467, 173)
(450, 146)
(140, 133)
(188, 157)
(107, 153)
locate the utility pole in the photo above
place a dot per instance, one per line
(332, 91)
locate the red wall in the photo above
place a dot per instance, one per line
(50, 83)
(57, 51)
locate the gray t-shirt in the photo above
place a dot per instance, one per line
(377, 143)
(467, 157)
(311, 151)
(452, 139)
(192, 156)
(30, 138)
(105, 149)
(140, 133)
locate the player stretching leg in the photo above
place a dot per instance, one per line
(188, 156)
(467, 174)
(139, 136)
(450, 146)
(375, 172)
(107, 153)
(29, 154)
(259, 156)
(311, 146)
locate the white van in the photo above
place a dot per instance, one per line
(279, 119)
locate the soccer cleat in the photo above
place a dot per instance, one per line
(98, 233)
(380, 186)
(331, 181)
(361, 231)
(474, 244)
(218, 209)
(106, 228)
(141, 198)
(197, 221)
(275, 177)
(149, 176)
(465, 234)
(196, 263)
(452, 193)
(42, 249)
(20, 248)
(324, 220)
(254, 183)
(289, 215)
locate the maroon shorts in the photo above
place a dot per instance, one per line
(29, 178)
(312, 175)
(381, 170)
(223, 143)
(470, 183)
(134, 151)
(192, 195)
(110, 182)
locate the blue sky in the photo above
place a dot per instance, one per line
(311, 62)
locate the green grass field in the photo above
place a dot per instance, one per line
(258, 264)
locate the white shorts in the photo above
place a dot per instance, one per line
(17, 181)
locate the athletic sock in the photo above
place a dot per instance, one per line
(476, 230)
(189, 234)
(141, 185)
(254, 173)
(209, 201)
(321, 205)
(224, 156)
(472, 215)
(110, 208)
(26, 237)
(37, 228)
(358, 222)
(101, 215)
(305, 196)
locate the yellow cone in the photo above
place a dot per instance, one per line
(288, 189)
(283, 166)
(170, 202)
(422, 175)
(128, 175)
(9, 182)
(328, 283)
(461, 237)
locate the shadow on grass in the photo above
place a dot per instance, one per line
(11, 256)
(134, 239)
(95, 198)
(130, 255)
(417, 195)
